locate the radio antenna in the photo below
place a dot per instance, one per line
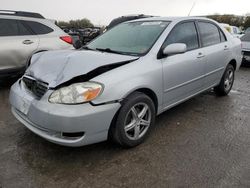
(191, 8)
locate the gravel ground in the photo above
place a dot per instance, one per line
(204, 142)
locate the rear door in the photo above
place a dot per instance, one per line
(18, 43)
(216, 48)
(183, 73)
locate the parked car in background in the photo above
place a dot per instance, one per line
(247, 30)
(116, 85)
(23, 34)
(126, 18)
(233, 30)
(245, 39)
(90, 33)
(82, 36)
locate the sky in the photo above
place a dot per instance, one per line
(101, 12)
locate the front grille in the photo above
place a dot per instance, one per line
(38, 88)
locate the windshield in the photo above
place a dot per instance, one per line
(134, 38)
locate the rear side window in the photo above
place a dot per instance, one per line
(8, 27)
(23, 30)
(184, 33)
(209, 34)
(38, 28)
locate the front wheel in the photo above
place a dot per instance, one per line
(134, 121)
(226, 82)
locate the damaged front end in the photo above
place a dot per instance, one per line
(73, 73)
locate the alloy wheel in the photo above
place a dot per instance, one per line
(229, 78)
(137, 121)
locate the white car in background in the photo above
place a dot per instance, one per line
(233, 30)
(245, 39)
(23, 34)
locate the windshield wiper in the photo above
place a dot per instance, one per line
(110, 51)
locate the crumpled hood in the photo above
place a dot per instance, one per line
(57, 67)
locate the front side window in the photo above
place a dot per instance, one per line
(209, 34)
(8, 27)
(132, 38)
(184, 33)
(38, 28)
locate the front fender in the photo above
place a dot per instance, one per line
(120, 82)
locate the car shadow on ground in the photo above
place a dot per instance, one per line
(7, 82)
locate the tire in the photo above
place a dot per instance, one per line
(226, 82)
(134, 120)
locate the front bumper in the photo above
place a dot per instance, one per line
(54, 121)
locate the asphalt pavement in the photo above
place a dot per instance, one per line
(204, 142)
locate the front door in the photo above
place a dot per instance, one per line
(183, 74)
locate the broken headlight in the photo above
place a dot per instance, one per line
(76, 93)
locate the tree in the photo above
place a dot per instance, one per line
(247, 22)
(80, 23)
(229, 19)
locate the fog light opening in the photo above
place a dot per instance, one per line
(73, 135)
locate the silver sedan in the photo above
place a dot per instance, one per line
(114, 87)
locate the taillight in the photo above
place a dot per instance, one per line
(67, 39)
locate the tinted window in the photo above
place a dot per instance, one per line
(23, 30)
(184, 33)
(38, 28)
(209, 34)
(8, 27)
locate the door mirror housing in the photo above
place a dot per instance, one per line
(176, 48)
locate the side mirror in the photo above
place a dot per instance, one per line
(176, 48)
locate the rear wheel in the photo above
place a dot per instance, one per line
(134, 121)
(226, 82)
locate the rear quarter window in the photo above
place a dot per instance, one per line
(38, 28)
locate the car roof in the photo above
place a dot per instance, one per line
(47, 22)
(177, 19)
(21, 18)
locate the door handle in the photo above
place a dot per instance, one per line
(226, 47)
(200, 55)
(27, 42)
